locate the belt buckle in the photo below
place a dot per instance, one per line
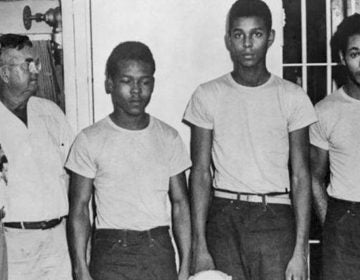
(43, 224)
(245, 197)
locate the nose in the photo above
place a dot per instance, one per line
(135, 87)
(247, 43)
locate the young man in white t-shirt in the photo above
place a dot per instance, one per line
(133, 163)
(335, 151)
(250, 124)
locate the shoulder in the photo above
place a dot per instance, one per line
(45, 106)
(214, 85)
(329, 106)
(96, 130)
(291, 89)
(328, 102)
(164, 129)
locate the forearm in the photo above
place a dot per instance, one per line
(182, 232)
(320, 198)
(301, 192)
(78, 233)
(200, 186)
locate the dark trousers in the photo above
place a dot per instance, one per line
(251, 241)
(133, 255)
(341, 241)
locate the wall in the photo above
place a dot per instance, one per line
(187, 41)
(11, 18)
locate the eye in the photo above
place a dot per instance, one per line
(125, 80)
(146, 82)
(258, 34)
(237, 35)
(354, 54)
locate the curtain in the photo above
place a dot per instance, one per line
(50, 79)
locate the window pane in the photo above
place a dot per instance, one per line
(316, 30)
(292, 31)
(293, 74)
(316, 83)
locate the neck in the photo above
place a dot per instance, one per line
(251, 76)
(130, 122)
(10, 100)
(19, 109)
(352, 89)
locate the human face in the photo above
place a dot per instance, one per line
(132, 87)
(248, 41)
(351, 59)
(20, 73)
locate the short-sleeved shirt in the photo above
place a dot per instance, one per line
(33, 178)
(251, 127)
(131, 171)
(338, 132)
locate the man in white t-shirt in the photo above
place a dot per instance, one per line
(335, 151)
(134, 163)
(250, 124)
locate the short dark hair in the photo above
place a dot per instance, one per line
(13, 41)
(130, 50)
(348, 27)
(249, 8)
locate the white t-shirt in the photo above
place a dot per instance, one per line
(251, 128)
(131, 171)
(34, 178)
(338, 131)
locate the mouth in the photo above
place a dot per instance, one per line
(135, 102)
(248, 56)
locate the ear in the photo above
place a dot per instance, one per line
(271, 38)
(227, 41)
(109, 85)
(4, 74)
(342, 58)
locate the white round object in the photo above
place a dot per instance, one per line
(210, 275)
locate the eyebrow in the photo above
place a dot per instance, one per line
(353, 49)
(254, 29)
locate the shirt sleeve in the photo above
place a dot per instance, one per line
(179, 158)
(318, 136)
(81, 159)
(302, 111)
(199, 110)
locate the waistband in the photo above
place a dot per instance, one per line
(343, 202)
(130, 234)
(35, 225)
(273, 197)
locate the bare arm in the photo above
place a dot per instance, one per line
(181, 221)
(319, 159)
(200, 187)
(79, 224)
(301, 195)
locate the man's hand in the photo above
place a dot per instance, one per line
(297, 268)
(201, 261)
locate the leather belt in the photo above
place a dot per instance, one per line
(35, 225)
(259, 198)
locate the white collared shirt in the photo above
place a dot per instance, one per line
(37, 183)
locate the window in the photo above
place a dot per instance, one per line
(307, 58)
(308, 61)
